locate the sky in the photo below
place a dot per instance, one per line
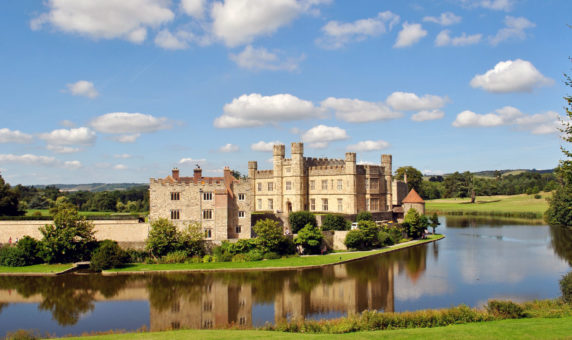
(123, 91)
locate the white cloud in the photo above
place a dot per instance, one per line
(511, 76)
(319, 136)
(129, 123)
(105, 19)
(229, 148)
(515, 29)
(444, 39)
(256, 110)
(337, 34)
(497, 5)
(424, 115)
(193, 8)
(120, 167)
(81, 136)
(238, 22)
(409, 35)
(445, 19)
(253, 58)
(127, 138)
(408, 101)
(14, 136)
(264, 146)
(62, 149)
(122, 156)
(67, 123)
(29, 159)
(178, 41)
(369, 145)
(540, 123)
(192, 161)
(357, 111)
(83, 88)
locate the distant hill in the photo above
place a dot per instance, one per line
(94, 186)
(491, 173)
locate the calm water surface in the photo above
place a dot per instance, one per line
(478, 260)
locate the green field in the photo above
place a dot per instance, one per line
(540, 328)
(37, 269)
(46, 212)
(299, 261)
(511, 206)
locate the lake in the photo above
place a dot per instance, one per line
(480, 259)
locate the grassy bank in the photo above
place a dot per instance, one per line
(541, 328)
(523, 206)
(286, 263)
(36, 269)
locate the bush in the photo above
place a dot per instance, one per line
(505, 309)
(221, 254)
(300, 219)
(384, 238)
(364, 216)
(163, 238)
(566, 288)
(309, 237)
(271, 256)
(207, 259)
(12, 257)
(537, 196)
(137, 256)
(395, 234)
(23, 334)
(239, 258)
(178, 256)
(354, 240)
(335, 222)
(108, 255)
(270, 237)
(254, 255)
(31, 249)
(370, 232)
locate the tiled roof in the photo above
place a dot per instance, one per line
(413, 197)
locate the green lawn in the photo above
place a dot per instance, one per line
(300, 261)
(549, 328)
(37, 268)
(46, 212)
(515, 204)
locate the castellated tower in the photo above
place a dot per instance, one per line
(350, 174)
(299, 178)
(278, 159)
(386, 164)
(252, 168)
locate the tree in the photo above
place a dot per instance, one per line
(310, 238)
(335, 222)
(414, 223)
(434, 222)
(192, 239)
(9, 200)
(299, 219)
(269, 236)
(414, 177)
(364, 216)
(69, 238)
(163, 238)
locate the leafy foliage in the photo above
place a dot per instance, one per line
(364, 216)
(270, 236)
(108, 255)
(31, 249)
(300, 219)
(566, 288)
(434, 222)
(414, 223)
(12, 257)
(9, 200)
(505, 309)
(414, 177)
(165, 238)
(310, 238)
(335, 222)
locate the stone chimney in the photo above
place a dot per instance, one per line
(197, 173)
(175, 174)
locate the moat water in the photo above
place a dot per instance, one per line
(477, 261)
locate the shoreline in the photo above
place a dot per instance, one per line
(366, 254)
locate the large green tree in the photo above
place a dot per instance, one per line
(9, 200)
(414, 177)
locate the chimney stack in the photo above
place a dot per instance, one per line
(197, 173)
(175, 174)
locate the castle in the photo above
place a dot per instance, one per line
(223, 205)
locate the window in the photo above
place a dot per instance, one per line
(241, 214)
(270, 204)
(340, 184)
(312, 185)
(259, 186)
(312, 204)
(259, 204)
(175, 214)
(208, 324)
(207, 214)
(340, 204)
(270, 186)
(241, 197)
(208, 233)
(208, 306)
(242, 320)
(207, 196)
(175, 196)
(374, 183)
(374, 204)
(175, 325)
(325, 184)
(238, 229)
(324, 204)
(288, 185)
(288, 169)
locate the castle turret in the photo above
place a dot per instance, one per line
(278, 152)
(298, 178)
(386, 161)
(350, 180)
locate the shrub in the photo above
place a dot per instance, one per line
(566, 288)
(354, 240)
(335, 222)
(384, 238)
(537, 196)
(221, 254)
(270, 237)
(137, 256)
(177, 256)
(395, 234)
(271, 256)
(370, 232)
(108, 255)
(191, 239)
(23, 334)
(163, 238)
(31, 248)
(12, 257)
(254, 255)
(239, 258)
(309, 237)
(300, 219)
(364, 216)
(207, 259)
(505, 309)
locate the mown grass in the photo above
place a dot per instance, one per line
(501, 205)
(540, 328)
(37, 268)
(46, 212)
(298, 261)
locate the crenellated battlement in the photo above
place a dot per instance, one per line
(311, 162)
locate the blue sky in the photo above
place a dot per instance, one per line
(120, 91)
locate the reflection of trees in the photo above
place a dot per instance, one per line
(165, 290)
(67, 297)
(2, 305)
(562, 242)
(475, 221)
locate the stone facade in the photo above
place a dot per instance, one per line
(221, 205)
